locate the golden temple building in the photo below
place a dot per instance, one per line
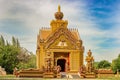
(62, 44)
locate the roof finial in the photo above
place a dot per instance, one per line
(59, 15)
(58, 8)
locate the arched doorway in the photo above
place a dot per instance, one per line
(61, 63)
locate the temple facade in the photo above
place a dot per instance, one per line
(63, 45)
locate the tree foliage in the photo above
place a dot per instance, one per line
(2, 41)
(15, 42)
(27, 59)
(104, 64)
(116, 64)
(8, 55)
(24, 55)
(29, 64)
(9, 58)
(96, 65)
(12, 55)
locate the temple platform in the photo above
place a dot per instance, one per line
(31, 73)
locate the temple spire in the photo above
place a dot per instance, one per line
(59, 8)
(59, 15)
(58, 22)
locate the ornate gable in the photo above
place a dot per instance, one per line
(61, 38)
(62, 43)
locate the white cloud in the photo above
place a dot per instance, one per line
(39, 13)
(42, 12)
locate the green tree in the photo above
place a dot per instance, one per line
(7, 43)
(18, 43)
(14, 43)
(96, 65)
(8, 54)
(116, 64)
(23, 55)
(9, 58)
(2, 41)
(1, 55)
(27, 59)
(12, 55)
(104, 64)
(31, 63)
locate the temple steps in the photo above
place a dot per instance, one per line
(70, 75)
(30, 73)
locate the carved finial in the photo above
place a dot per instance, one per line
(59, 15)
(59, 8)
(89, 50)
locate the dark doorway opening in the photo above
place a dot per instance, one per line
(61, 63)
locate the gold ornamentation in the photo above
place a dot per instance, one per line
(61, 31)
(59, 15)
(60, 42)
(55, 44)
(89, 60)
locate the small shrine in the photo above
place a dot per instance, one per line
(64, 45)
(59, 49)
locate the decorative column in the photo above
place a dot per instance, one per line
(48, 61)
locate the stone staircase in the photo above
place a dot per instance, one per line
(70, 75)
(76, 76)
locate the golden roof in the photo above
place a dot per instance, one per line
(55, 25)
(44, 33)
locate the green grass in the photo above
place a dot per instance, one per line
(7, 76)
(12, 77)
(110, 78)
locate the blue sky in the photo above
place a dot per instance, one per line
(98, 22)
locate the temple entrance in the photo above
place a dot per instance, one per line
(61, 63)
(62, 59)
